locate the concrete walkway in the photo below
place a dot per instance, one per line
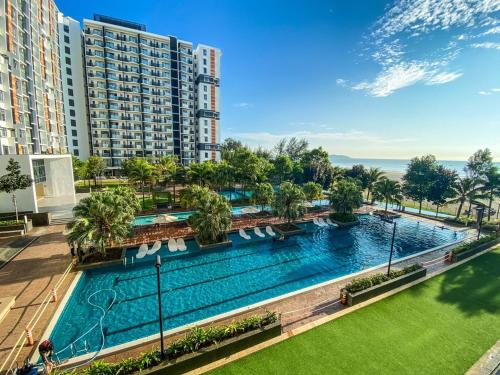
(28, 278)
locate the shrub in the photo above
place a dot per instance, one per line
(473, 244)
(9, 222)
(359, 284)
(343, 217)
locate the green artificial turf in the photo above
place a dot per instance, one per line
(442, 326)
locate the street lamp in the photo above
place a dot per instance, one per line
(498, 210)
(392, 247)
(158, 266)
(480, 213)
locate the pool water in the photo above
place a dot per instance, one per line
(199, 284)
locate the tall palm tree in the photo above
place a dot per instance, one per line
(465, 188)
(289, 202)
(103, 218)
(346, 195)
(141, 173)
(373, 175)
(201, 173)
(387, 191)
(491, 187)
(212, 218)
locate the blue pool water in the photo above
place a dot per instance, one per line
(198, 284)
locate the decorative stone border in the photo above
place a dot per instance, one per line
(287, 233)
(217, 245)
(114, 262)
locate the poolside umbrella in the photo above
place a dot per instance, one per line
(164, 219)
(249, 210)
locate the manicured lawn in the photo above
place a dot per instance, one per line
(442, 326)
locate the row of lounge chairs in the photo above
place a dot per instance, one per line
(320, 222)
(258, 232)
(173, 245)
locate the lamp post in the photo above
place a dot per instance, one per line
(480, 213)
(392, 247)
(498, 210)
(158, 266)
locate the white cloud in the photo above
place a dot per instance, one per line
(489, 45)
(395, 42)
(242, 105)
(484, 93)
(441, 78)
(489, 92)
(496, 90)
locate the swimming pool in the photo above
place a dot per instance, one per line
(200, 284)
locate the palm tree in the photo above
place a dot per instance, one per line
(193, 195)
(95, 167)
(212, 218)
(464, 188)
(263, 194)
(346, 195)
(224, 175)
(289, 202)
(103, 218)
(387, 191)
(201, 173)
(141, 172)
(373, 175)
(491, 187)
(312, 190)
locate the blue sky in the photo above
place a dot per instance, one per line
(384, 79)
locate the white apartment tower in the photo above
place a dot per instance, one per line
(207, 93)
(140, 92)
(31, 100)
(73, 81)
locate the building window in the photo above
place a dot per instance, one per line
(205, 96)
(71, 102)
(73, 133)
(204, 70)
(68, 71)
(73, 122)
(206, 139)
(71, 112)
(68, 60)
(205, 105)
(206, 130)
(70, 82)
(39, 171)
(66, 39)
(67, 50)
(204, 61)
(204, 52)
(205, 122)
(206, 155)
(205, 88)
(2, 114)
(66, 28)
(76, 152)
(75, 142)
(70, 92)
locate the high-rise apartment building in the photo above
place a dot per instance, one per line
(73, 82)
(31, 100)
(32, 130)
(141, 92)
(207, 93)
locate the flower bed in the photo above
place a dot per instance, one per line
(466, 250)
(198, 347)
(361, 289)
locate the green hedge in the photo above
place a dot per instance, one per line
(194, 340)
(473, 244)
(10, 222)
(357, 285)
(343, 218)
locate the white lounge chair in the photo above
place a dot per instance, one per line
(143, 250)
(258, 232)
(330, 222)
(156, 246)
(172, 245)
(181, 245)
(315, 221)
(321, 222)
(243, 234)
(270, 231)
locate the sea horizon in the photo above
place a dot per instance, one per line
(393, 165)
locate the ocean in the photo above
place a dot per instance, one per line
(392, 165)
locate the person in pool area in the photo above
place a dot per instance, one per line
(46, 350)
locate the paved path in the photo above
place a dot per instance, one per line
(29, 277)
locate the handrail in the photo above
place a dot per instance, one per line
(21, 341)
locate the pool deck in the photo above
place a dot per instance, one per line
(29, 277)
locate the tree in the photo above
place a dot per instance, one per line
(358, 172)
(479, 164)
(140, 172)
(13, 181)
(263, 194)
(317, 167)
(282, 168)
(264, 153)
(346, 195)
(294, 148)
(212, 218)
(228, 147)
(191, 196)
(224, 175)
(491, 186)
(78, 166)
(95, 167)
(201, 173)
(386, 190)
(442, 186)
(418, 178)
(289, 202)
(103, 218)
(373, 175)
(464, 188)
(312, 191)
